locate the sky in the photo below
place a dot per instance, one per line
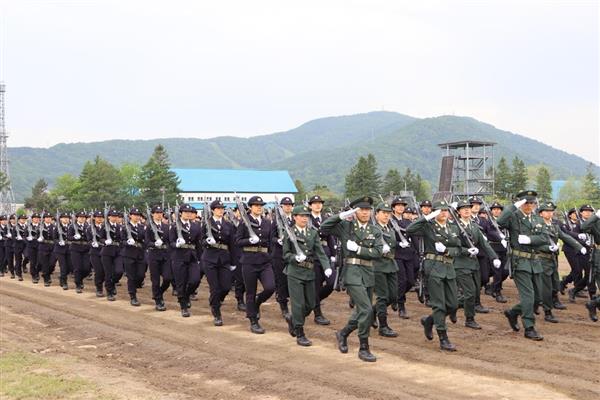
(82, 71)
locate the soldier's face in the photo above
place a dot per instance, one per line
(35, 220)
(3, 222)
(426, 210)
(218, 212)
(547, 215)
(316, 207)
(586, 214)
(287, 208)
(112, 219)
(465, 212)
(363, 215)
(399, 209)
(135, 218)
(64, 220)
(99, 220)
(475, 208)
(48, 220)
(157, 217)
(383, 217)
(301, 220)
(256, 209)
(528, 207)
(81, 220)
(496, 212)
(442, 217)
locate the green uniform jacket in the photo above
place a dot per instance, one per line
(433, 232)
(312, 248)
(371, 248)
(387, 263)
(517, 223)
(464, 260)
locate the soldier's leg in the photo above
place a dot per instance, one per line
(10, 260)
(524, 282)
(19, 262)
(194, 275)
(250, 279)
(99, 276)
(212, 276)
(392, 283)
(281, 282)
(362, 313)
(154, 266)
(225, 282)
(546, 290)
(44, 264)
(437, 299)
(78, 270)
(267, 280)
(34, 264)
(402, 281)
(130, 271)
(309, 297)
(381, 295)
(167, 275)
(180, 275)
(297, 298)
(465, 280)
(109, 272)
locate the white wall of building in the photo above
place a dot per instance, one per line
(196, 197)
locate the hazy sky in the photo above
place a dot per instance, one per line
(96, 70)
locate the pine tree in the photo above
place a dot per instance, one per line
(157, 181)
(591, 186)
(543, 185)
(101, 182)
(301, 194)
(40, 198)
(392, 183)
(363, 179)
(518, 179)
(502, 182)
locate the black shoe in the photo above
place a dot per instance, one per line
(255, 326)
(193, 297)
(47, 283)
(64, 286)
(536, 309)
(561, 287)
(174, 293)
(557, 304)
(301, 339)
(364, 353)
(386, 331)
(342, 340)
(402, 311)
(445, 342)
(217, 320)
(285, 311)
(78, 289)
(481, 309)
(160, 305)
(110, 297)
(488, 290)
(395, 307)
(453, 318)
(185, 313)
(501, 299)
(99, 293)
(592, 311)
(134, 302)
(374, 323)
(531, 333)
(572, 294)
(513, 320)
(20, 278)
(241, 306)
(290, 324)
(582, 294)
(548, 317)
(36, 280)
(471, 323)
(319, 318)
(12, 276)
(427, 323)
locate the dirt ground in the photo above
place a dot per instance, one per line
(139, 353)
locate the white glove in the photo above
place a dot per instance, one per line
(29, 238)
(158, 243)
(524, 239)
(454, 204)
(77, 236)
(473, 251)
(404, 244)
(496, 263)
(504, 243)
(598, 213)
(280, 241)
(232, 268)
(9, 235)
(130, 241)
(332, 259)
(180, 242)
(588, 242)
(502, 236)
(346, 214)
(583, 251)
(352, 245)
(386, 248)
(582, 236)
(328, 272)
(439, 247)
(107, 242)
(61, 243)
(40, 239)
(433, 215)
(211, 241)
(301, 258)
(254, 239)
(519, 203)
(553, 248)
(94, 245)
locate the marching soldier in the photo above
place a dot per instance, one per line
(300, 271)
(584, 260)
(217, 257)
(20, 234)
(32, 246)
(256, 260)
(526, 231)
(236, 254)
(361, 244)
(572, 228)
(484, 270)
(4, 243)
(425, 207)
(61, 249)
(184, 237)
(79, 249)
(386, 270)
(110, 255)
(45, 247)
(405, 255)
(133, 254)
(442, 243)
(10, 245)
(549, 259)
(497, 239)
(281, 285)
(323, 283)
(592, 226)
(157, 245)
(94, 236)
(466, 263)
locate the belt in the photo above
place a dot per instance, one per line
(324, 243)
(136, 244)
(306, 264)
(47, 241)
(440, 258)
(358, 261)
(163, 247)
(187, 246)
(525, 254)
(547, 256)
(597, 245)
(389, 255)
(255, 249)
(220, 246)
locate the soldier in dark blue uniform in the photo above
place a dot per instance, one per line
(10, 245)
(485, 265)
(133, 254)
(281, 285)
(32, 246)
(256, 260)
(45, 247)
(61, 248)
(236, 254)
(3, 244)
(323, 283)
(498, 242)
(186, 269)
(572, 228)
(216, 258)
(583, 281)
(110, 255)
(79, 249)
(159, 263)
(96, 244)
(20, 233)
(405, 255)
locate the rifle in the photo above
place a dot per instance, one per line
(279, 223)
(18, 231)
(568, 220)
(245, 219)
(151, 224)
(421, 249)
(338, 284)
(93, 229)
(178, 227)
(74, 224)
(106, 223)
(41, 233)
(206, 216)
(29, 230)
(232, 218)
(461, 228)
(126, 223)
(169, 216)
(290, 233)
(61, 239)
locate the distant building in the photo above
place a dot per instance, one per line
(205, 185)
(556, 186)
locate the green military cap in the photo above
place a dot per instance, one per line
(301, 210)
(441, 205)
(383, 207)
(462, 204)
(362, 202)
(547, 206)
(529, 195)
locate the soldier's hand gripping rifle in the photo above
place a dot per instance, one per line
(421, 249)
(61, 234)
(41, 228)
(150, 222)
(130, 240)
(462, 230)
(108, 241)
(29, 230)
(290, 233)
(279, 223)
(178, 228)
(253, 236)
(206, 216)
(94, 232)
(76, 234)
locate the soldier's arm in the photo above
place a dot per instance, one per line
(320, 252)
(418, 227)
(588, 224)
(242, 237)
(333, 226)
(485, 245)
(567, 239)
(504, 220)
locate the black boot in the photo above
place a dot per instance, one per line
(342, 339)
(384, 329)
(285, 311)
(572, 295)
(241, 306)
(134, 301)
(301, 339)
(500, 298)
(364, 353)
(217, 320)
(513, 320)
(453, 318)
(445, 342)
(395, 306)
(185, 312)
(471, 323)
(531, 333)
(160, 304)
(99, 293)
(481, 309)
(319, 318)
(557, 304)
(290, 324)
(255, 326)
(562, 286)
(549, 317)
(427, 323)
(488, 290)
(536, 309)
(110, 296)
(374, 320)
(592, 311)
(402, 311)
(79, 289)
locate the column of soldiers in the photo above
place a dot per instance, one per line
(448, 253)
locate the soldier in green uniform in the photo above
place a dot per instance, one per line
(361, 244)
(386, 270)
(442, 243)
(300, 272)
(527, 233)
(466, 264)
(549, 258)
(592, 226)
